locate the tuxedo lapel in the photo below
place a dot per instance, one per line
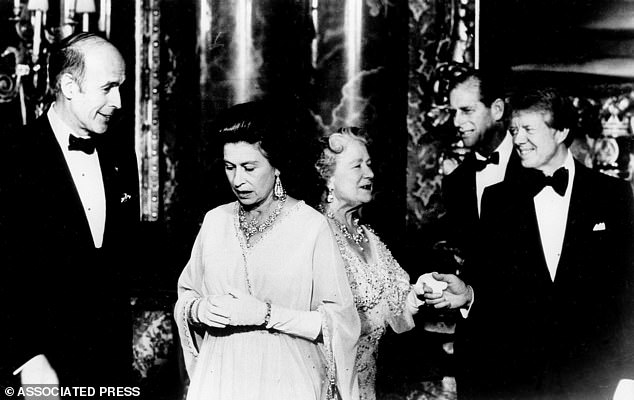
(514, 167)
(467, 179)
(578, 215)
(109, 172)
(535, 260)
(59, 186)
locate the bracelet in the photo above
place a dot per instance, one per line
(267, 317)
(193, 315)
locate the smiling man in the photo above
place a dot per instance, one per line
(555, 261)
(70, 205)
(480, 115)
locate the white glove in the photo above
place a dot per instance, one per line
(306, 324)
(244, 309)
(209, 312)
(412, 302)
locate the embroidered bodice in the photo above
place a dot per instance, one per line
(380, 289)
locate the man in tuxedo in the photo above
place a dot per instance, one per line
(480, 115)
(69, 208)
(554, 263)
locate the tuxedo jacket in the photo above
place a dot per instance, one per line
(61, 296)
(571, 338)
(460, 224)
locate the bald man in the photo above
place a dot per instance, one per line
(69, 205)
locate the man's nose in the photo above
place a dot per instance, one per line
(114, 98)
(519, 136)
(457, 119)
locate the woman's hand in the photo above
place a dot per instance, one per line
(211, 313)
(244, 309)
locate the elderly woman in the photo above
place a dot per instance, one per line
(264, 309)
(381, 289)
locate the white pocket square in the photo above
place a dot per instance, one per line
(599, 227)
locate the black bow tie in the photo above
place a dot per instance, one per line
(86, 145)
(558, 181)
(479, 165)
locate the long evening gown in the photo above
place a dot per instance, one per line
(295, 264)
(380, 289)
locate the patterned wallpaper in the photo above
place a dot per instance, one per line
(441, 38)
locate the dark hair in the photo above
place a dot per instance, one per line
(558, 111)
(67, 57)
(287, 135)
(491, 84)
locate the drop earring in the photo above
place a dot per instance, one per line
(278, 190)
(330, 196)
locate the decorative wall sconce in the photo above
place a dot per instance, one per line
(612, 150)
(39, 24)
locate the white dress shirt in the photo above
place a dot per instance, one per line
(86, 172)
(493, 173)
(552, 213)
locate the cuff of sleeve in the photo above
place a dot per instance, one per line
(31, 361)
(624, 390)
(465, 311)
(412, 302)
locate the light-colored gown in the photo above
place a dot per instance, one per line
(380, 290)
(296, 265)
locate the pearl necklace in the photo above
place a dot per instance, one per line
(250, 228)
(358, 236)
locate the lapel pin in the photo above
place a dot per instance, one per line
(599, 227)
(125, 197)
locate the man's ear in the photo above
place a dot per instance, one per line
(561, 135)
(69, 86)
(497, 109)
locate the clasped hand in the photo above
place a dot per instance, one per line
(234, 308)
(456, 295)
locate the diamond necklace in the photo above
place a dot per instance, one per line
(358, 236)
(250, 228)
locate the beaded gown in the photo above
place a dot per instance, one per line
(380, 289)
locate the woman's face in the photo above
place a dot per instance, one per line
(352, 177)
(249, 172)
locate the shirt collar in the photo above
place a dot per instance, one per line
(59, 127)
(504, 149)
(569, 163)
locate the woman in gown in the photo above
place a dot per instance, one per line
(381, 289)
(264, 309)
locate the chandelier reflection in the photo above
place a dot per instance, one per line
(38, 25)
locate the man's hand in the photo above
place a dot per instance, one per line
(456, 295)
(38, 371)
